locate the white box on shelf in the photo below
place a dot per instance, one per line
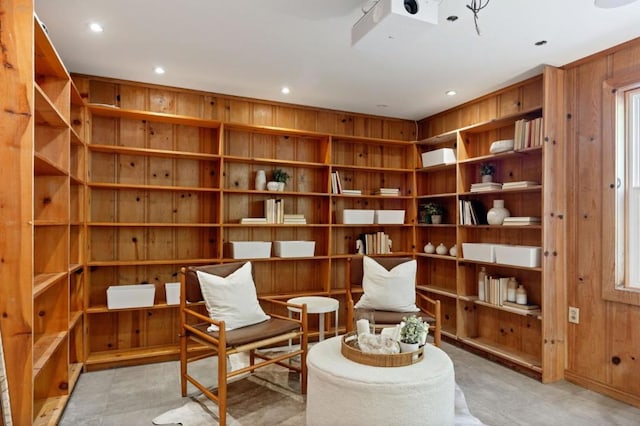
(438, 157)
(527, 256)
(294, 248)
(250, 249)
(357, 217)
(130, 296)
(172, 291)
(389, 216)
(481, 252)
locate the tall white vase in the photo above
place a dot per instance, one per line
(496, 215)
(261, 180)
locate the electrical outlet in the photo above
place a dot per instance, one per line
(574, 315)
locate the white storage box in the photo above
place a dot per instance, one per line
(389, 216)
(172, 291)
(480, 252)
(357, 217)
(130, 296)
(294, 248)
(438, 157)
(250, 249)
(527, 256)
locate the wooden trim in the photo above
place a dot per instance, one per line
(16, 246)
(602, 388)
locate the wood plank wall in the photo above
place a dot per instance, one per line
(604, 349)
(230, 109)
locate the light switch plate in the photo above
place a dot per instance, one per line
(574, 315)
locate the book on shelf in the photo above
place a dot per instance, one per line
(485, 186)
(472, 212)
(528, 133)
(274, 210)
(521, 220)
(373, 243)
(297, 219)
(352, 191)
(250, 220)
(520, 184)
(527, 307)
(388, 191)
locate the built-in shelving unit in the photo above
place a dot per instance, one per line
(513, 335)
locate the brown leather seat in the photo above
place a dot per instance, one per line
(194, 323)
(429, 308)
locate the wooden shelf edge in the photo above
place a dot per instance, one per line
(185, 262)
(42, 282)
(48, 411)
(75, 370)
(499, 265)
(114, 111)
(437, 256)
(117, 149)
(504, 352)
(104, 185)
(44, 348)
(104, 310)
(152, 225)
(499, 156)
(439, 139)
(438, 290)
(532, 313)
(275, 162)
(43, 166)
(74, 319)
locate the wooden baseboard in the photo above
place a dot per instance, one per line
(602, 388)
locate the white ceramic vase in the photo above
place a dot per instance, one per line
(496, 215)
(453, 251)
(280, 186)
(487, 178)
(442, 249)
(429, 248)
(261, 180)
(436, 219)
(272, 186)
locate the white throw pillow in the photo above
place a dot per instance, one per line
(232, 299)
(392, 290)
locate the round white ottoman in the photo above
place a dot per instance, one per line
(343, 392)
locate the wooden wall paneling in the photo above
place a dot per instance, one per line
(52, 144)
(102, 92)
(487, 109)
(213, 108)
(162, 100)
(190, 104)
(554, 239)
(265, 114)
(344, 124)
(285, 117)
(588, 185)
(130, 96)
(369, 127)
(509, 102)
(622, 354)
(327, 122)
(532, 92)
(236, 111)
(306, 119)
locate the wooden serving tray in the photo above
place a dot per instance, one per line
(350, 350)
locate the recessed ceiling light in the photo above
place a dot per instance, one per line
(452, 18)
(285, 90)
(95, 27)
(450, 93)
(540, 43)
(159, 70)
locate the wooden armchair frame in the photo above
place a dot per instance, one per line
(429, 308)
(194, 324)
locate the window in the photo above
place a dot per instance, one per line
(627, 173)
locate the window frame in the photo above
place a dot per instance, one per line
(613, 123)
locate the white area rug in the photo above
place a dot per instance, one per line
(273, 388)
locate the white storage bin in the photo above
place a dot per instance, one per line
(389, 216)
(480, 252)
(294, 248)
(172, 291)
(357, 217)
(438, 157)
(130, 296)
(527, 256)
(250, 249)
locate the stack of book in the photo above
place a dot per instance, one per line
(392, 192)
(521, 221)
(520, 184)
(274, 210)
(485, 186)
(253, 220)
(295, 219)
(352, 191)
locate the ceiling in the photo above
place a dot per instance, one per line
(253, 48)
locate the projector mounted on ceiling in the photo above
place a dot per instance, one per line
(394, 20)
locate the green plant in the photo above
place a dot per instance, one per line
(413, 329)
(487, 169)
(280, 175)
(434, 209)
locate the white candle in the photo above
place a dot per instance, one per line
(363, 326)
